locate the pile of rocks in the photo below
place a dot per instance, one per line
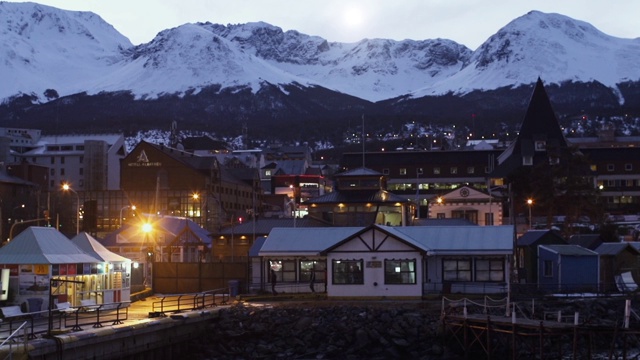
(324, 331)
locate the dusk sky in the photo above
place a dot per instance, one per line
(468, 22)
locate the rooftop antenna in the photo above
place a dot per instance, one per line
(363, 141)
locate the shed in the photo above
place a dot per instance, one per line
(527, 252)
(616, 259)
(42, 262)
(567, 268)
(117, 268)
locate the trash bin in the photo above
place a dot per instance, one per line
(234, 287)
(34, 304)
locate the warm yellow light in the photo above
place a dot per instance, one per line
(146, 227)
(133, 207)
(529, 201)
(196, 196)
(66, 187)
(439, 200)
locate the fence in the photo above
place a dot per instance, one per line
(74, 318)
(186, 302)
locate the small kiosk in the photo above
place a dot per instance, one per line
(45, 266)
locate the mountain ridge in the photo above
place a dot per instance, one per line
(72, 65)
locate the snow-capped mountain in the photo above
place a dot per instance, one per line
(42, 47)
(552, 46)
(71, 52)
(246, 73)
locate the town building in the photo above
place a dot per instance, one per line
(387, 262)
(46, 268)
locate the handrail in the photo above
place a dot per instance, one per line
(189, 301)
(10, 338)
(13, 334)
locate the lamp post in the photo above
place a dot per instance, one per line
(132, 207)
(529, 203)
(147, 256)
(67, 187)
(295, 206)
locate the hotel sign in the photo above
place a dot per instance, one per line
(143, 161)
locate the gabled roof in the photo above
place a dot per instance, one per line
(615, 248)
(307, 241)
(569, 250)
(532, 237)
(443, 240)
(539, 124)
(589, 241)
(166, 230)
(92, 247)
(43, 245)
(434, 240)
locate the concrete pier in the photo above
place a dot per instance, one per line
(140, 337)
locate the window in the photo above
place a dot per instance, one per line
(81, 171)
(488, 218)
(347, 272)
(267, 173)
(53, 159)
(81, 159)
(454, 170)
(456, 270)
(315, 266)
(628, 167)
(436, 170)
(285, 270)
(547, 270)
(419, 171)
(53, 171)
(385, 171)
(527, 160)
(441, 216)
(594, 167)
(399, 271)
(489, 270)
(610, 167)
(403, 171)
(471, 170)
(62, 172)
(61, 159)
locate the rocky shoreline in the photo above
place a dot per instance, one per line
(340, 330)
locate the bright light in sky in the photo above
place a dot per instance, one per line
(468, 22)
(353, 16)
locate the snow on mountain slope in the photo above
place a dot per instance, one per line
(46, 48)
(186, 59)
(43, 47)
(552, 46)
(374, 69)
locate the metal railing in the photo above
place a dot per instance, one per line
(186, 302)
(11, 340)
(74, 318)
(94, 315)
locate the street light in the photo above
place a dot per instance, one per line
(529, 202)
(295, 206)
(146, 229)
(66, 187)
(132, 207)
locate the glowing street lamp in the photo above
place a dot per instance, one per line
(67, 187)
(132, 207)
(529, 203)
(146, 229)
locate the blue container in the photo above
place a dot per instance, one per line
(234, 286)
